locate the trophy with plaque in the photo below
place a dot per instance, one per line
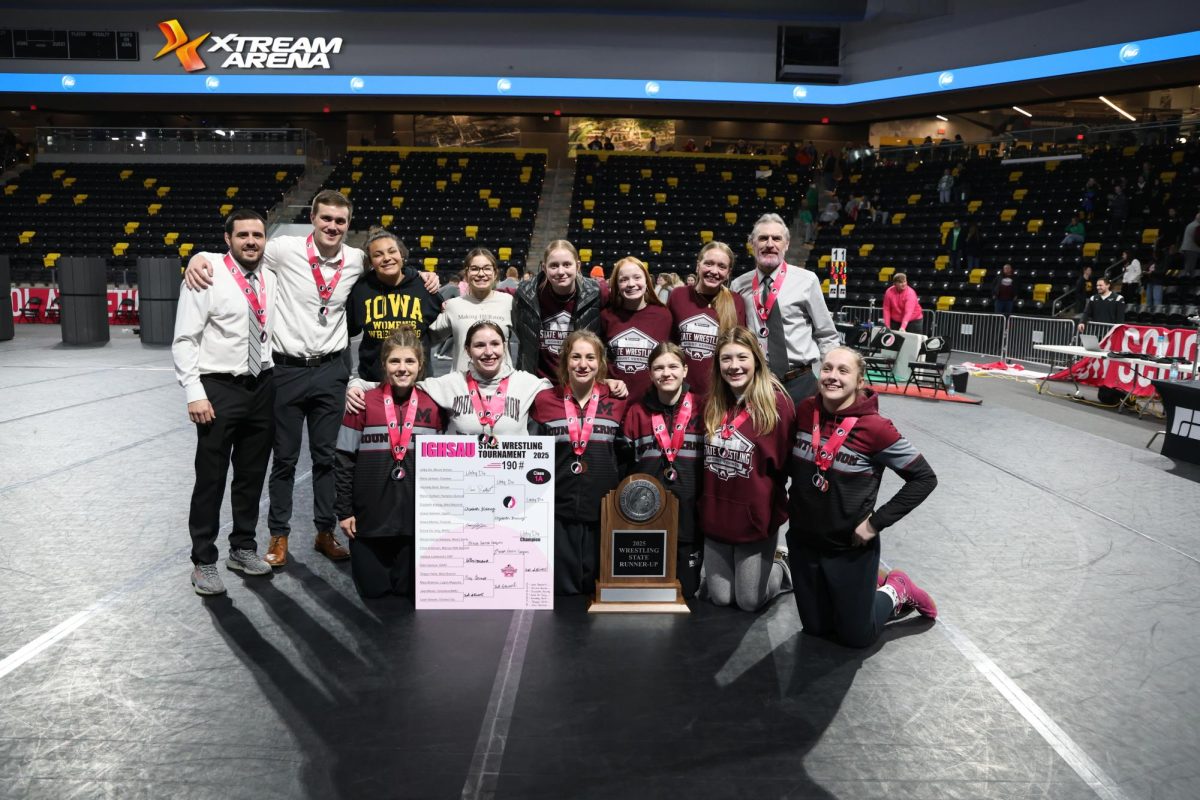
(638, 533)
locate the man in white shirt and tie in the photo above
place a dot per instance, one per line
(786, 309)
(222, 360)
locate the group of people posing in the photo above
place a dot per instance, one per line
(735, 395)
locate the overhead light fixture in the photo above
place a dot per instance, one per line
(943, 119)
(1020, 110)
(1118, 109)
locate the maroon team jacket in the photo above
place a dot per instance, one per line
(744, 494)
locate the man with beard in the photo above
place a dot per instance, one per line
(785, 309)
(223, 361)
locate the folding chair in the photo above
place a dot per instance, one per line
(881, 359)
(928, 371)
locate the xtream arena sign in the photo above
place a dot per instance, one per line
(248, 52)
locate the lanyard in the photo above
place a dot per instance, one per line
(399, 437)
(732, 423)
(764, 310)
(580, 430)
(258, 303)
(491, 411)
(314, 261)
(823, 455)
(670, 443)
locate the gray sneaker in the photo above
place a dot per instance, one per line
(247, 561)
(206, 580)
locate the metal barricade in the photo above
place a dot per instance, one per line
(1025, 332)
(968, 332)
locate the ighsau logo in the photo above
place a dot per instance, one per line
(177, 43)
(249, 52)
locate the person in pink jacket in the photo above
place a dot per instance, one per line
(901, 308)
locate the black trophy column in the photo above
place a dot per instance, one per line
(158, 296)
(83, 294)
(6, 318)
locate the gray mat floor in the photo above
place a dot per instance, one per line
(1064, 557)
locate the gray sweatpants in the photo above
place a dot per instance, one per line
(747, 574)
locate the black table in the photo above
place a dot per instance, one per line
(1181, 403)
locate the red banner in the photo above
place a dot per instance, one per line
(1120, 374)
(48, 294)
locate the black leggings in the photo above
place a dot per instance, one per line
(836, 593)
(382, 565)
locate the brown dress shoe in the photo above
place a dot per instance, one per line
(328, 544)
(276, 551)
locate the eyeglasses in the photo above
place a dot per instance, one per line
(480, 270)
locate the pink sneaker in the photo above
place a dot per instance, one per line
(911, 595)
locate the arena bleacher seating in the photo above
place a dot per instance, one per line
(123, 211)
(444, 202)
(1021, 210)
(662, 208)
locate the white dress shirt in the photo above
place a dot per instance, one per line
(297, 331)
(807, 325)
(212, 328)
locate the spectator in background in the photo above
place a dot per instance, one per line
(1083, 288)
(831, 212)
(853, 206)
(708, 145)
(973, 247)
(595, 144)
(690, 280)
(956, 240)
(652, 147)
(1131, 277)
(608, 143)
(510, 283)
(1074, 232)
(1152, 278)
(1087, 202)
(1105, 306)
(1169, 232)
(806, 223)
(877, 212)
(527, 276)
(1004, 291)
(945, 186)
(1118, 209)
(690, 147)
(660, 287)
(1190, 246)
(901, 307)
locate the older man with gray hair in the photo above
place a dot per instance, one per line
(786, 309)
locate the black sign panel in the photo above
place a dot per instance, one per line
(639, 554)
(70, 45)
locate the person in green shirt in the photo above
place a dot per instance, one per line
(1075, 232)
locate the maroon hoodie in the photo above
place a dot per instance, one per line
(826, 520)
(694, 329)
(631, 335)
(744, 495)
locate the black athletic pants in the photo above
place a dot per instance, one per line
(576, 556)
(316, 396)
(241, 433)
(836, 593)
(383, 565)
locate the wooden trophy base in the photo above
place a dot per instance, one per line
(649, 597)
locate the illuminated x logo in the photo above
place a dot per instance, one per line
(177, 42)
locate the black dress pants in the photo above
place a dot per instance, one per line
(240, 434)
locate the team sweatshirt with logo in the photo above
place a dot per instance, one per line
(363, 466)
(631, 335)
(452, 393)
(826, 520)
(648, 454)
(694, 328)
(743, 494)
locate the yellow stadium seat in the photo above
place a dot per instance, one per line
(68, 183)
(440, 185)
(11, 189)
(1167, 177)
(119, 248)
(945, 303)
(441, 162)
(185, 249)
(941, 262)
(1177, 157)
(700, 166)
(1008, 214)
(396, 184)
(885, 274)
(515, 212)
(912, 166)
(726, 175)
(25, 237)
(856, 178)
(225, 209)
(731, 217)
(397, 202)
(58, 173)
(394, 169)
(589, 205)
(585, 254)
(847, 229)
(780, 201)
(650, 224)
(865, 250)
(646, 173)
(656, 245)
(426, 241)
(1149, 235)
(822, 262)
(80, 199)
(171, 238)
(898, 218)
(825, 286)
(761, 191)
(587, 223)
(126, 174)
(430, 263)
(793, 177)
(732, 199)
(623, 188)
(493, 202)
(1033, 225)
(1052, 165)
(344, 190)
(913, 199)
(462, 162)
(456, 177)
(131, 227)
(471, 231)
(672, 182)
(50, 259)
(356, 161)
(1019, 194)
(504, 253)
(974, 206)
(43, 199)
(163, 191)
(386, 220)
(1090, 249)
(153, 209)
(1129, 150)
(589, 179)
(1041, 292)
(484, 194)
(706, 236)
(281, 175)
(355, 177)
(660, 197)
(976, 275)
(231, 192)
(1015, 176)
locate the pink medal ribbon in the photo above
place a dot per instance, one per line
(670, 443)
(325, 291)
(823, 455)
(764, 309)
(489, 412)
(580, 431)
(732, 423)
(399, 436)
(257, 302)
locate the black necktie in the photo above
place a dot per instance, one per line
(777, 358)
